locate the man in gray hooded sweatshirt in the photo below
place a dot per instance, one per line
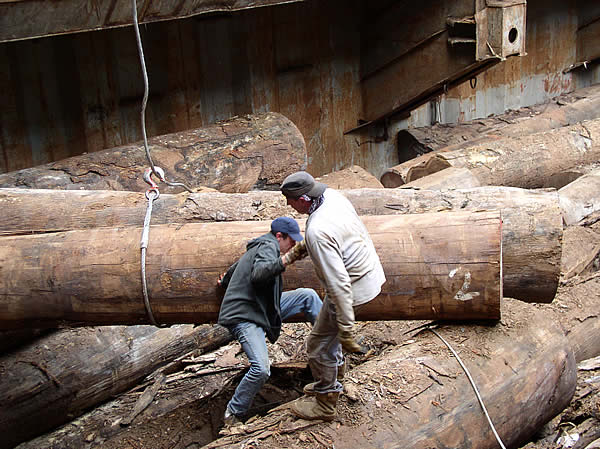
(254, 305)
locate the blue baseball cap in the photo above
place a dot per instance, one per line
(288, 226)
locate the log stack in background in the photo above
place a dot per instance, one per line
(428, 142)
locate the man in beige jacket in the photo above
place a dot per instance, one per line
(349, 269)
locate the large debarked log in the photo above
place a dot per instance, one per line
(234, 155)
(525, 161)
(438, 266)
(531, 232)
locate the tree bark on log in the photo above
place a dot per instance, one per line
(521, 161)
(580, 198)
(234, 155)
(438, 266)
(426, 142)
(418, 397)
(59, 377)
(531, 260)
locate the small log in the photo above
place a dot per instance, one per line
(521, 161)
(448, 178)
(580, 198)
(531, 260)
(66, 373)
(234, 155)
(425, 142)
(438, 266)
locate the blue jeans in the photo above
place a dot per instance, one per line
(252, 339)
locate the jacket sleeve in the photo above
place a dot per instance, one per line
(267, 264)
(228, 274)
(327, 257)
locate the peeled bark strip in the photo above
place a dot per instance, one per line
(531, 260)
(581, 105)
(580, 198)
(234, 155)
(68, 372)
(522, 161)
(444, 265)
(417, 396)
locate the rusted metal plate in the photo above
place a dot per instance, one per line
(28, 19)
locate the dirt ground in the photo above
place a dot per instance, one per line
(187, 410)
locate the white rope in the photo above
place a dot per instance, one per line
(473, 385)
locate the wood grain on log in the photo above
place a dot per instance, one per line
(531, 232)
(441, 265)
(234, 155)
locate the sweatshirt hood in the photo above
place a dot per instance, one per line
(268, 237)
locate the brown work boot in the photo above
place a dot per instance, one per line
(309, 389)
(229, 422)
(319, 406)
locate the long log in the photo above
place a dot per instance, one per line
(443, 265)
(521, 161)
(531, 260)
(426, 142)
(234, 155)
(66, 373)
(579, 199)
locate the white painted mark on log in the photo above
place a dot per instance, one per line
(462, 294)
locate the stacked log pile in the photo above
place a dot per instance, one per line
(526, 357)
(432, 142)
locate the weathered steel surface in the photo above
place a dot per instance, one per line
(30, 19)
(438, 266)
(441, 49)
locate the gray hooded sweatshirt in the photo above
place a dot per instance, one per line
(254, 286)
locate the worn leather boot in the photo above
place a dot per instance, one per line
(309, 389)
(319, 406)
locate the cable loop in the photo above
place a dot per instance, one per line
(143, 246)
